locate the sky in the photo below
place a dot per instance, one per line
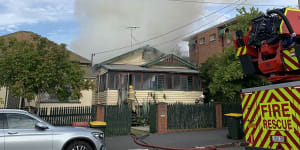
(103, 27)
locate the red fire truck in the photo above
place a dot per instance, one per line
(271, 114)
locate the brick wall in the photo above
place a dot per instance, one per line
(209, 48)
(200, 52)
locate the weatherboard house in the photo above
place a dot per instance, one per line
(155, 77)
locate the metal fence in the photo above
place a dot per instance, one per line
(118, 119)
(191, 116)
(65, 116)
(229, 108)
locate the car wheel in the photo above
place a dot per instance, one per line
(79, 145)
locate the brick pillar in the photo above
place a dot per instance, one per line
(219, 116)
(100, 112)
(162, 117)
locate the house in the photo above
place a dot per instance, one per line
(8, 101)
(155, 77)
(209, 42)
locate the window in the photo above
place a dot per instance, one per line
(190, 82)
(103, 82)
(160, 79)
(202, 41)
(20, 121)
(169, 81)
(184, 82)
(137, 81)
(177, 82)
(212, 37)
(197, 82)
(228, 40)
(158, 82)
(113, 80)
(146, 81)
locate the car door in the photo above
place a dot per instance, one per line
(1, 131)
(21, 133)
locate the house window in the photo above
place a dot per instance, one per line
(202, 41)
(157, 82)
(169, 81)
(112, 80)
(197, 82)
(146, 81)
(137, 81)
(177, 82)
(160, 82)
(184, 83)
(212, 37)
(228, 40)
(103, 82)
(190, 82)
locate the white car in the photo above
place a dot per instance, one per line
(20, 130)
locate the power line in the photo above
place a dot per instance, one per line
(178, 37)
(171, 31)
(223, 3)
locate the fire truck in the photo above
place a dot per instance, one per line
(271, 114)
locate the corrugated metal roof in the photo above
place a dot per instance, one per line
(144, 69)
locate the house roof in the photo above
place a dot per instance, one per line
(172, 56)
(220, 25)
(145, 69)
(147, 47)
(30, 36)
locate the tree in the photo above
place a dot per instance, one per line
(222, 74)
(243, 19)
(30, 69)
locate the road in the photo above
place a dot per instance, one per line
(179, 140)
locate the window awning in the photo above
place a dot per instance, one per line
(222, 31)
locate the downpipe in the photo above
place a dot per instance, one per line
(142, 143)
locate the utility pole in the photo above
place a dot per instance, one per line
(299, 4)
(92, 56)
(131, 30)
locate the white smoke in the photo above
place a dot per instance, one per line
(104, 24)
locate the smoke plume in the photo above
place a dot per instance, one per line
(105, 25)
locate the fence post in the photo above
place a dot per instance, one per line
(100, 112)
(219, 116)
(162, 117)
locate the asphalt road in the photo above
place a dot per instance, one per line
(178, 140)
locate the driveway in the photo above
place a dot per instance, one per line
(179, 140)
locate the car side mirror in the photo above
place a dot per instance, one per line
(41, 126)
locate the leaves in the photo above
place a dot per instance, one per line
(31, 68)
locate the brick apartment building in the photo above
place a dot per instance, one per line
(208, 42)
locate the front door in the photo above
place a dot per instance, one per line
(21, 133)
(1, 131)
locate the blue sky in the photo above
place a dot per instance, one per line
(91, 26)
(53, 19)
